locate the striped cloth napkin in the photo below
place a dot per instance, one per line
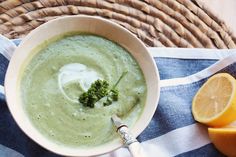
(172, 130)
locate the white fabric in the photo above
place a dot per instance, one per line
(1, 89)
(197, 53)
(7, 47)
(200, 75)
(181, 141)
(181, 138)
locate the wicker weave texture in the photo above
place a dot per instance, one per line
(170, 23)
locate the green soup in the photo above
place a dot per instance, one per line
(65, 67)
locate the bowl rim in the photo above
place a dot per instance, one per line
(10, 70)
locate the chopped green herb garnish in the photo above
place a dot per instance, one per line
(98, 90)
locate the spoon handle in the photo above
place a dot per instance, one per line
(136, 150)
(131, 143)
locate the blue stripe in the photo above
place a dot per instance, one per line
(231, 69)
(7, 152)
(173, 111)
(2, 97)
(174, 68)
(3, 68)
(205, 151)
(16, 41)
(11, 136)
(174, 108)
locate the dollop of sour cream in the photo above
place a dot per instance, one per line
(76, 73)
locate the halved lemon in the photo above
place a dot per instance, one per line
(215, 102)
(224, 140)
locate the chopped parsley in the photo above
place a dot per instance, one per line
(98, 90)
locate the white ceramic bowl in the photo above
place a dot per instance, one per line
(96, 26)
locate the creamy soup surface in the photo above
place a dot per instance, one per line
(64, 68)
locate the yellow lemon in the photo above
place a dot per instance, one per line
(224, 140)
(215, 102)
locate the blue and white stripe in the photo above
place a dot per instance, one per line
(172, 130)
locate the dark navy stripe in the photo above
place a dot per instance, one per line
(205, 151)
(11, 136)
(3, 68)
(231, 69)
(174, 68)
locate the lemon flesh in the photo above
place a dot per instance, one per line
(215, 102)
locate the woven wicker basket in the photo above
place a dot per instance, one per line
(170, 23)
